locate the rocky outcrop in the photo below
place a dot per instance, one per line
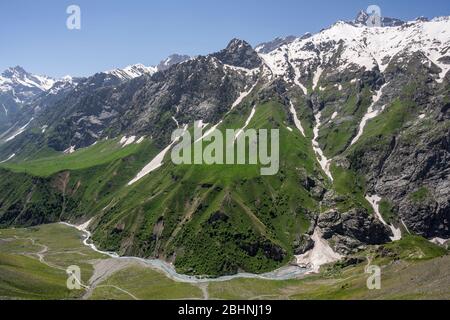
(350, 230)
(302, 244)
(407, 163)
(239, 53)
(104, 106)
(172, 60)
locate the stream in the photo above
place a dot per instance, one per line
(283, 273)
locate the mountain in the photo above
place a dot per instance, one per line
(23, 85)
(239, 53)
(363, 116)
(172, 60)
(18, 113)
(132, 72)
(18, 87)
(363, 19)
(267, 47)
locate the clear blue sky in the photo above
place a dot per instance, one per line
(116, 33)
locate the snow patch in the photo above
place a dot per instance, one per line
(20, 131)
(370, 114)
(69, 150)
(439, 241)
(297, 122)
(334, 115)
(208, 132)
(297, 81)
(155, 163)
(140, 140)
(323, 161)
(247, 122)
(244, 70)
(319, 255)
(363, 47)
(9, 158)
(128, 141)
(133, 71)
(242, 96)
(375, 203)
(405, 226)
(175, 120)
(316, 77)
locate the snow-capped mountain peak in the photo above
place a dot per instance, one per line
(132, 71)
(18, 76)
(18, 86)
(347, 45)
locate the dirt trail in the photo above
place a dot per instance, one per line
(103, 269)
(100, 274)
(204, 288)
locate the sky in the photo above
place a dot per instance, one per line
(117, 33)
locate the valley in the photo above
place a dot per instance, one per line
(30, 272)
(91, 172)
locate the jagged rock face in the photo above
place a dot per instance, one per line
(267, 47)
(22, 85)
(239, 53)
(363, 19)
(172, 60)
(104, 106)
(199, 89)
(413, 174)
(345, 48)
(408, 165)
(24, 96)
(409, 65)
(18, 87)
(352, 229)
(131, 72)
(303, 244)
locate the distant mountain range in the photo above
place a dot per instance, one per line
(364, 120)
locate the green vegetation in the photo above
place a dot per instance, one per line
(207, 219)
(352, 187)
(24, 276)
(386, 211)
(412, 268)
(420, 195)
(421, 280)
(218, 219)
(412, 248)
(144, 284)
(335, 136)
(102, 153)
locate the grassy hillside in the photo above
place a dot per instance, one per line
(206, 219)
(33, 262)
(68, 187)
(101, 153)
(218, 219)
